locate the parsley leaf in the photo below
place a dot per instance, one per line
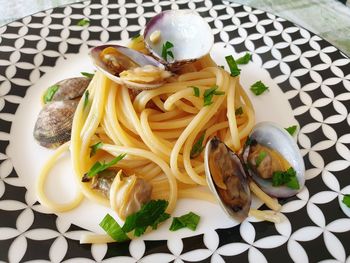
(134, 37)
(50, 93)
(209, 94)
(87, 75)
(235, 71)
(113, 229)
(197, 147)
(260, 158)
(291, 130)
(94, 148)
(346, 200)
(166, 52)
(83, 22)
(245, 59)
(196, 91)
(86, 98)
(239, 111)
(258, 88)
(287, 178)
(189, 220)
(150, 214)
(99, 167)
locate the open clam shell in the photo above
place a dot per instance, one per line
(189, 33)
(270, 135)
(227, 180)
(135, 57)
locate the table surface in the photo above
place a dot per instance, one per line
(329, 19)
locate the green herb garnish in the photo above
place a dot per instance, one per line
(166, 52)
(258, 88)
(346, 200)
(99, 167)
(260, 158)
(150, 214)
(50, 93)
(287, 178)
(87, 75)
(83, 22)
(245, 59)
(235, 71)
(291, 130)
(94, 148)
(136, 36)
(189, 220)
(113, 229)
(198, 147)
(209, 94)
(196, 91)
(239, 111)
(86, 98)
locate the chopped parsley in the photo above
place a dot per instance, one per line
(260, 158)
(50, 93)
(239, 111)
(150, 214)
(94, 148)
(83, 22)
(258, 88)
(346, 200)
(245, 59)
(197, 147)
(196, 91)
(287, 178)
(87, 75)
(235, 71)
(99, 167)
(209, 94)
(136, 36)
(291, 130)
(113, 229)
(189, 220)
(86, 98)
(166, 50)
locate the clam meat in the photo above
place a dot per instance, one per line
(227, 179)
(130, 67)
(274, 161)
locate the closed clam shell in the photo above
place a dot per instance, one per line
(54, 124)
(71, 88)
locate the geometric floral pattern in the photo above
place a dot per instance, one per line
(314, 75)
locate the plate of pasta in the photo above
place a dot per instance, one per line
(162, 132)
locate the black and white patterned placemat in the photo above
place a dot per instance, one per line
(314, 75)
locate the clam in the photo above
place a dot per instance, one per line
(226, 178)
(274, 161)
(54, 124)
(128, 194)
(177, 37)
(67, 89)
(124, 65)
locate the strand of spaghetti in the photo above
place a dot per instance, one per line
(270, 202)
(79, 158)
(190, 133)
(159, 103)
(185, 93)
(162, 116)
(157, 143)
(172, 124)
(172, 134)
(40, 185)
(234, 140)
(116, 150)
(202, 195)
(266, 215)
(192, 76)
(145, 96)
(137, 124)
(122, 115)
(185, 107)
